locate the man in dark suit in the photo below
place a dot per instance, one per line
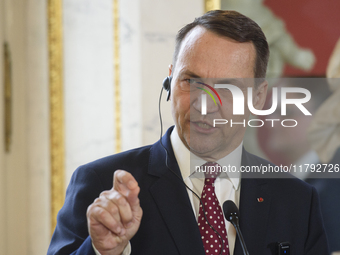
(149, 210)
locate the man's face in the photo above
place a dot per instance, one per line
(206, 55)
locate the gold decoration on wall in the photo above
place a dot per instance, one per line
(56, 107)
(116, 40)
(7, 97)
(212, 5)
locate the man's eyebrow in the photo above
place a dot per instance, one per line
(228, 81)
(232, 81)
(189, 73)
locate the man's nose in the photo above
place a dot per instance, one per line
(205, 104)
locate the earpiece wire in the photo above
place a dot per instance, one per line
(181, 179)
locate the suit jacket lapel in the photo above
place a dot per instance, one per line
(172, 199)
(253, 213)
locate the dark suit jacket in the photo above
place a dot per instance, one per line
(289, 212)
(329, 192)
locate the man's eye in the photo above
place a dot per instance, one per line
(194, 82)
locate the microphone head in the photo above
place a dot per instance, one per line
(230, 210)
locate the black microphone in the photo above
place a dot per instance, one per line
(231, 213)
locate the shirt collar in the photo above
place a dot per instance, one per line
(184, 157)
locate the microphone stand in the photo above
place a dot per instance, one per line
(231, 214)
(234, 220)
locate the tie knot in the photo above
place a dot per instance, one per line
(211, 170)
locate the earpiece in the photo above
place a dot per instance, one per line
(167, 86)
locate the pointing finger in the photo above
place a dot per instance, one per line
(125, 184)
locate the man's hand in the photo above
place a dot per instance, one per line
(114, 217)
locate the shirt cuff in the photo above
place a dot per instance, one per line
(127, 249)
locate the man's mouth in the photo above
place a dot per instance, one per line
(203, 125)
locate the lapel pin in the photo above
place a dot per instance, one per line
(260, 199)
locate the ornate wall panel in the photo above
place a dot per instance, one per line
(56, 107)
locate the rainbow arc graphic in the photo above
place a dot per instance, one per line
(209, 93)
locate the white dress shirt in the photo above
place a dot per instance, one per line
(127, 250)
(225, 188)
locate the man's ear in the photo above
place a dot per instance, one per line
(260, 94)
(170, 69)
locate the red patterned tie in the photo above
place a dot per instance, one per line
(211, 241)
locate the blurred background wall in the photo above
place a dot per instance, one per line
(25, 168)
(110, 84)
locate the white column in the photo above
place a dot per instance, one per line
(131, 73)
(88, 81)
